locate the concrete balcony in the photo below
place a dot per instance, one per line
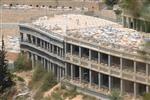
(115, 71)
(85, 85)
(127, 73)
(41, 49)
(141, 78)
(128, 54)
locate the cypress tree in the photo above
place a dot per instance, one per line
(5, 75)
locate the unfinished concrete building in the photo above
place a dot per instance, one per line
(88, 52)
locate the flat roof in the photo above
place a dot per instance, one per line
(90, 28)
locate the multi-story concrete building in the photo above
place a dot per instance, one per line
(88, 52)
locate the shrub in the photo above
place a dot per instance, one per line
(22, 63)
(49, 81)
(146, 96)
(56, 96)
(38, 73)
(115, 95)
(20, 79)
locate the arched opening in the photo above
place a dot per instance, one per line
(37, 5)
(11, 5)
(50, 6)
(70, 7)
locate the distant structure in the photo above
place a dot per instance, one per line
(93, 54)
(136, 15)
(92, 5)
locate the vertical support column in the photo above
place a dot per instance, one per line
(135, 91)
(129, 21)
(80, 77)
(99, 80)
(99, 58)
(44, 63)
(89, 54)
(60, 73)
(90, 77)
(36, 59)
(57, 73)
(121, 87)
(71, 48)
(47, 67)
(147, 89)
(32, 59)
(71, 72)
(53, 70)
(109, 60)
(50, 67)
(134, 69)
(121, 69)
(79, 51)
(147, 74)
(31, 39)
(57, 51)
(41, 43)
(109, 83)
(65, 69)
(65, 49)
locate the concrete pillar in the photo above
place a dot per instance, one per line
(99, 80)
(99, 58)
(109, 60)
(135, 90)
(32, 59)
(129, 21)
(89, 54)
(65, 69)
(80, 77)
(147, 89)
(65, 48)
(147, 70)
(52, 48)
(48, 66)
(121, 67)
(121, 86)
(121, 64)
(109, 83)
(31, 39)
(134, 69)
(90, 77)
(40, 43)
(44, 63)
(71, 72)
(63, 73)
(60, 73)
(71, 48)
(79, 51)
(53, 68)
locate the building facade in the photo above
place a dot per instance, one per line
(85, 64)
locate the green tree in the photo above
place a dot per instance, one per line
(146, 96)
(22, 63)
(5, 75)
(115, 95)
